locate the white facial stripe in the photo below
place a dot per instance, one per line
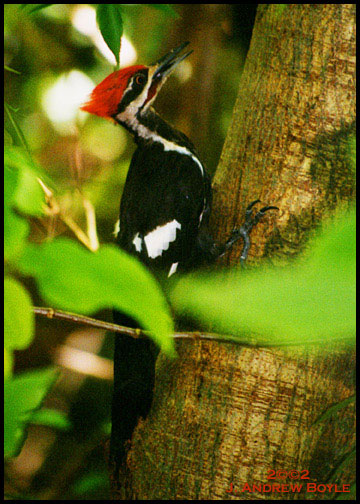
(129, 86)
(173, 269)
(144, 132)
(129, 117)
(167, 144)
(134, 106)
(160, 238)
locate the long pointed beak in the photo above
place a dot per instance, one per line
(167, 63)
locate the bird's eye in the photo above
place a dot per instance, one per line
(140, 79)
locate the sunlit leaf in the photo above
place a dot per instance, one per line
(51, 418)
(109, 20)
(72, 278)
(18, 315)
(11, 115)
(8, 363)
(17, 157)
(15, 227)
(312, 301)
(23, 394)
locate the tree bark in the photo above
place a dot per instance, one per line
(225, 414)
(288, 142)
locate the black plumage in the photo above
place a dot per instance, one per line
(162, 186)
(164, 214)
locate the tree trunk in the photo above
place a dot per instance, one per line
(288, 142)
(224, 414)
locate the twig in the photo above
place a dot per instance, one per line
(54, 208)
(128, 331)
(82, 319)
(191, 336)
(91, 223)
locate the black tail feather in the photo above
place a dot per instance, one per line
(134, 379)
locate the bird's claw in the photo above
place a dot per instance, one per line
(244, 230)
(251, 221)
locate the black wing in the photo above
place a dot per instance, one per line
(166, 200)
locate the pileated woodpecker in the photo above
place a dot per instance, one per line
(164, 214)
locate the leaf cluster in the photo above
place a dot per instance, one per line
(68, 276)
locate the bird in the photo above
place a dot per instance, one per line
(164, 216)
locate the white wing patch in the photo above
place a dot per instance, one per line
(173, 269)
(137, 241)
(160, 238)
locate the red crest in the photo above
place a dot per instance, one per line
(107, 95)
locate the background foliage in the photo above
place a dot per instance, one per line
(54, 55)
(53, 59)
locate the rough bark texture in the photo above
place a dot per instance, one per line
(231, 420)
(288, 142)
(227, 414)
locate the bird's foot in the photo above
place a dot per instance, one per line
(245, 230)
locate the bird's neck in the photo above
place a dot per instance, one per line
(148, 128)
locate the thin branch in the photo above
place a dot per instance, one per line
(82, 319)
(54, 208)
(191, 336)
(91, 223)
(134, 333)
(87, 205)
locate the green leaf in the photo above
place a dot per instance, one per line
(22, 395)
(30, 8)
(51, 418)
(8, 363)
(90, 483)
(29, 196)
(9, 69)
(18, 315)
(16, 228)
(109, 20)
(20, 134)
(167, 9)
(312, 301)
(74, 279)
(7, 138)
